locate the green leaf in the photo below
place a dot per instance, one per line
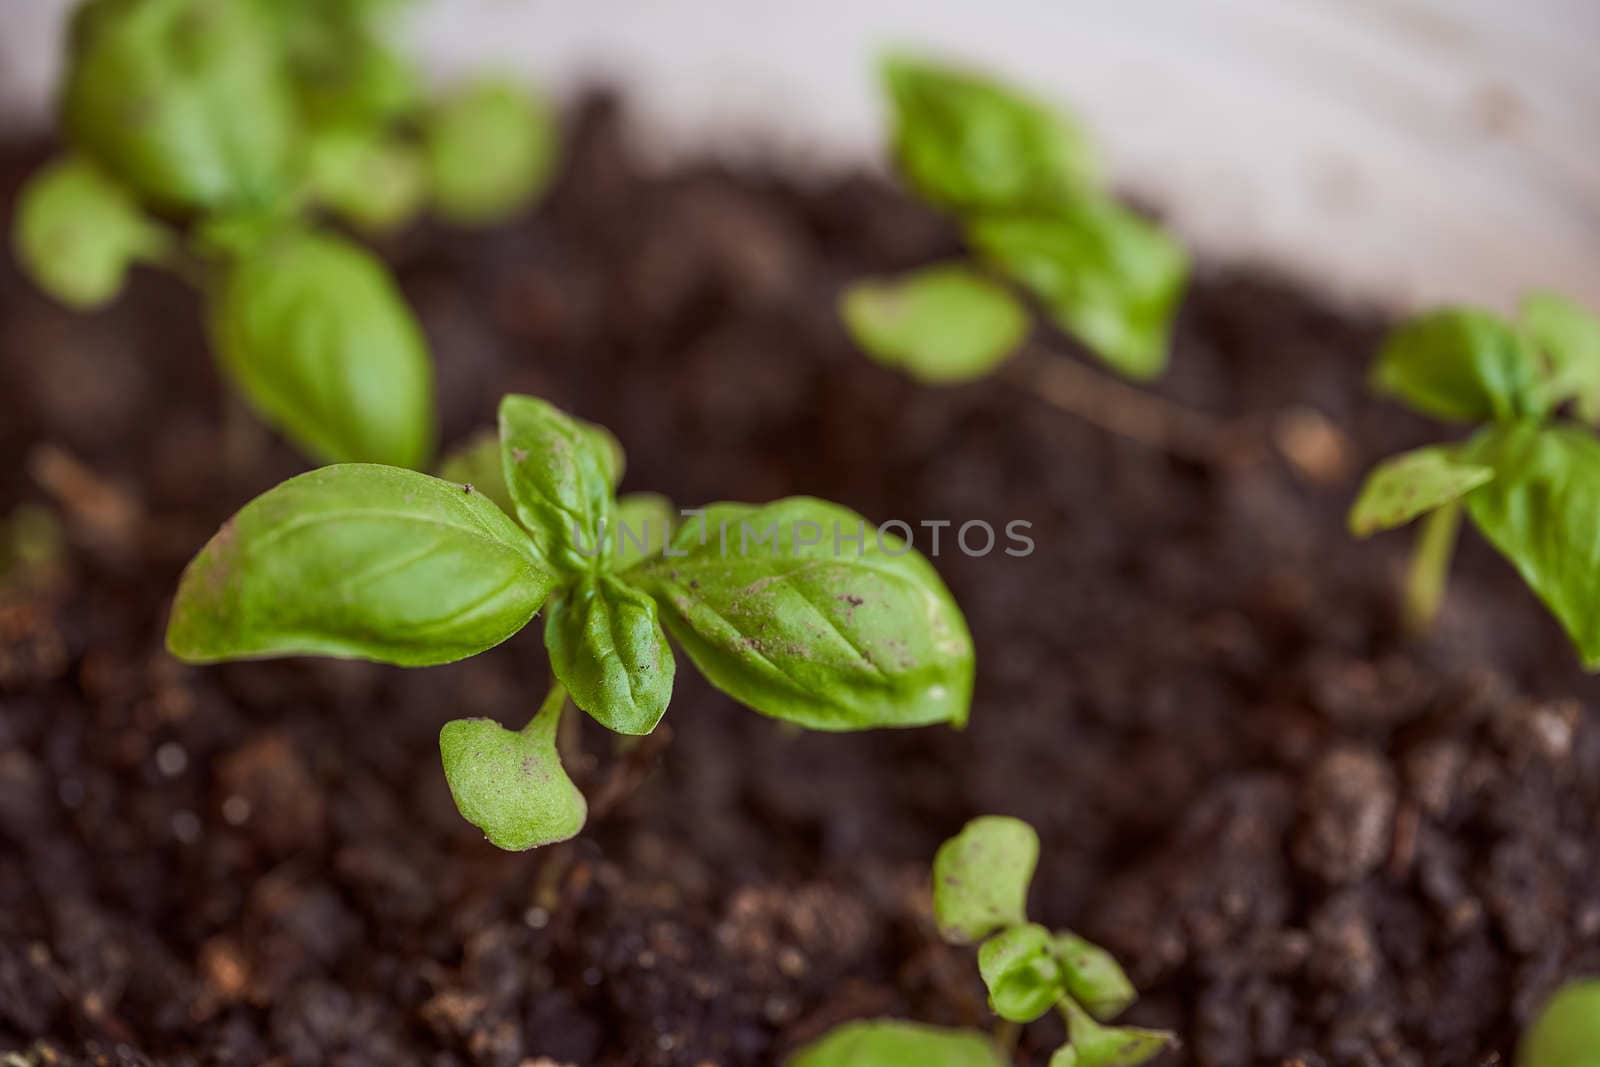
(1411, 484)
(1019, 966)
(981, 876)
(798, 610)
(607, 647)
(1095, 1045)
(1567, 1031)
(1106, 276)
(77, 232)
(344, 75)
(1093, 977)
(185, 101)
(892, 1043)
(361, 561)
(1460, 365)
(643, 524)
(967, 143)
(1542, 512)
(375, 182)
(511, 785)
(1568, 336)
(318, 337)
(939, 325)
(477, 462)
(559, 471)
(491, 150)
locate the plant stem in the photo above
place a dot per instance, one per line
(1430, 567)
(1006, 1035)
(548, 718)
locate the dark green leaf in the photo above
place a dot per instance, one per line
(377, 183)
(892, 1043)
(77, 232)
(477, 462)
(967, 143)
(511, 785)
(323, 345)
(1093, 977)
(1106, 276)
(1568, 337)
(1411, 484)
(1019, 966)
(559, 471)
(643, 524)
(1567, 1031)
(1461, 365)
(981, 876)
(607, 647)
(850, 632)
(491, 150)
(939, 325)
(361, 561)
(185, 101)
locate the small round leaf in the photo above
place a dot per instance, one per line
(491, 150)
(1567, 1031)
(893, 1043)
(940, 325)
(511, 785)
(1093, 977)
(1019, 966)
(981, 876)
(1411, 484)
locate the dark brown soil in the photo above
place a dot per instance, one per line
(1308, 838)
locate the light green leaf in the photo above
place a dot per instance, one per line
(1019, 966)
(346, 75)
(77, 232)
(1111, 1046)
(607, 647)
(360, 561)
(1567, 1031)
(185, 101)
(1411, 484)
(377, 183)
(966, 143)
(559, 472)
(491, 150)
(1568, 337)
(892, 1043)
(800, 611)
(511, 785)
(1106, 276)
(324, 347)
(981, 876)
(939, 325)
(1460, 365)
(644, 522)
(1542, 512)
(477, 462)
(1093, 977)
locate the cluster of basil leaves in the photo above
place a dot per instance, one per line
(980, 894)
(797, 608)
(208, 136)
(1023, 180)
(1530, 481)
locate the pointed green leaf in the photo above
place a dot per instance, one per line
(1093, 977)
(1461, 365)
(477, 462)
(1106, 276)
(939, 325)
(185, 101)
(1411, 484)
(1568, 337)
(966, 143)
(324, 347)
(644, 523)
(1019, 966)
(76, 233)
(511, 785)
(1111, 1046)
(491, 150)
(559, 472)
(375, 182)
(800, 610)
(607, 647)
(892, 1043)
(1567, 1030)
(360, 561)
(1542, 512)
(981, 876)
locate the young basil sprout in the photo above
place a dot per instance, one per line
(799, 609)
(252, 120)
(1529, 480)
(1021, 178)
(980, 892)
(1567, 1031)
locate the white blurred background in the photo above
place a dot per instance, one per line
(1402, 151)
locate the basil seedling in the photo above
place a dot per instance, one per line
(1022, 179)
(980, 894)
(1529, 480)
(798, 608)
(209, 136)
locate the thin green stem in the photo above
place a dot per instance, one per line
(1006, 1036)
(1429, 569)
(548, 717)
